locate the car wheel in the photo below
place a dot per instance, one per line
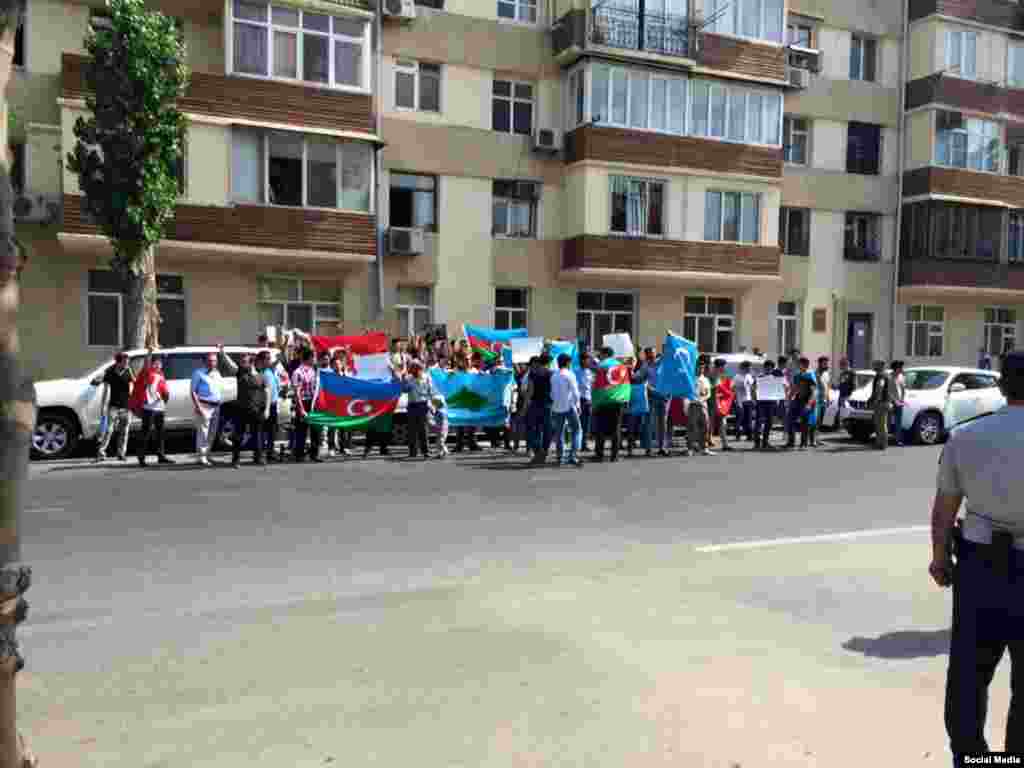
(399, 433)
(928, 428)
(54, 437)
(862, 433)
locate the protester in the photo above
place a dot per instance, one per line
(585, 379)
(207, 395)
(538, 413)
(418, 385)
(658, 419)
(466, 436)
(565, 396)
(767, 409)
(716, 420)
(304, 382)
(724, 398)
(117, 383)
(847, 383)
(439, 409)
(270, 423)
(697, 415)
(638, 411)
(253, 408)
(802, 406)
(824, 388)
(150, 395)
(743, 386)
(607, 421)
(898, 387)
(520, 405)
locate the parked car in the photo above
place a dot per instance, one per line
(833, 418)
(938, 399)
(69, 409)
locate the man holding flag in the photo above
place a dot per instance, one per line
(610, 397)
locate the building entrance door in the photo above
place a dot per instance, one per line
(859, 336)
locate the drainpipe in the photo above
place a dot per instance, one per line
(904, 63)
(379, 157)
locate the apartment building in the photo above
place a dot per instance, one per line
(726, 169)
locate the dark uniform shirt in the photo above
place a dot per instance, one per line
(120, 384)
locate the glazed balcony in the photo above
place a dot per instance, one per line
(996, 13)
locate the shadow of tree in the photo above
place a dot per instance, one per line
(910, 644)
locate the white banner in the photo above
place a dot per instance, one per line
(621, 344)
(771, 388)
(372, 367)
(525, 349)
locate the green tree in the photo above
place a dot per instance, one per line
(128, 148)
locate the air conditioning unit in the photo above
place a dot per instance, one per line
(799, 78)
(400, 9)
(37, 209)
(405, 242)
(545, 140)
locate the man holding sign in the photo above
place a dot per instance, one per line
(769, 391)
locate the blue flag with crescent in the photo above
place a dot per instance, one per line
(475, 399)
(677, 369)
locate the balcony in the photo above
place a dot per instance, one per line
(970, 95)
(636, 30)
(934, 278)
(965, 186)
(628, 259)
(997, 13)
(262, 101)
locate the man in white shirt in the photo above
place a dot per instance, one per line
(697, 415)
(565, 410)
(743, 386)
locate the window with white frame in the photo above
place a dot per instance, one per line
(282, 168)
(637, 207)
(512, 107)
(732, 216)
(758, 19)
(734, 113)
(860, 237)
(925, 328)
(787, 327)
(1015, 64)
(602, 312)
(413, 310)
(795, 231)
(284, 42)
(1000, 330)
(518, 10)
(711, 323)
(105, 309)
(417, 86)
(311, 306)
(863, 58)
(962, 142)
(795, 137)
(515, 208)
(961, 52)
(511, 308)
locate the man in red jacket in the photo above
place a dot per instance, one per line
(149, 400)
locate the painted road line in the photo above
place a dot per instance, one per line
(819, 538)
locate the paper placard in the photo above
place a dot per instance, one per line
(771, 388)
(373, 367)
(271, 334)
(621, 344)
(525, 349)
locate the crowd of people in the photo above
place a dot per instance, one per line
(551, 404)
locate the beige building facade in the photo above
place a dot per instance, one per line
(729, 171)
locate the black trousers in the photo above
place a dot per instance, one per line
(608, 426)
(417, 429)
(303, 429)
(763, 429)
(379, 438)
(464, 435)
(257, 425)
(152, 421)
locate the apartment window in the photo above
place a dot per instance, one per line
(735, 113)
(510, 308)
(413, 311)
(1015, 65)
(863, 55)
(105, 309)
(971, 143)
(291, 169)
(311, 306)
(19, 45)
(512, 107)
(515, 208)
(1000, 330)
(759, 19)
(636, 99)
(732, 217)
(787, 328)
(518, 10)
(284, 42)
(860, 238)
(711, 322)
(961, 52)
(413, 200)
(418, 86)
(925, 328)
(17, 172)
(966, 232)
(799, 34)
(1015, 250)
(795, 136)
(599, 313)
(795, 231)
(437, 5)
(637, 207)
(863, 148)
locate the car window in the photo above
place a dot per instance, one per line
(182, 366)
(963, 378)
(986, 381)
(925, 379)
(976, 380)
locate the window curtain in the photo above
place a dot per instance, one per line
(636, 208)
(247, 166)
(250, 49)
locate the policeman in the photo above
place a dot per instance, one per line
(982, 463)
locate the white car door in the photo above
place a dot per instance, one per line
(88, 407)
(964, 399)
(992, 398)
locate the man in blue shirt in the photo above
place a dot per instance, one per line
(264, 364)
(206, 400)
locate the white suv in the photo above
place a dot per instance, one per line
(68, 410)
(938, 398)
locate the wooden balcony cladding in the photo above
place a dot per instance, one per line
(608, 252)
(743, 57)
(619, 145)
(256, 226)
(934, 273)
(964, 94)
(998, 13)
(251, 98)
(955, 182)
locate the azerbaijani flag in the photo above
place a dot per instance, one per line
(611, 384)
(344, 402)
(489, 342)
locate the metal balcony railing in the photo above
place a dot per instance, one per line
(637, 30)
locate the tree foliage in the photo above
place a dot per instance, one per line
(128, 147)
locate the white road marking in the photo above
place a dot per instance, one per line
(44, 511)
(824, 537)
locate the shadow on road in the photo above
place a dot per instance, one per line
(909, 644)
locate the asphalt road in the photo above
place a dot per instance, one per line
(477, 613)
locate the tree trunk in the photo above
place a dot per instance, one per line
(141, 318)
(17, 420)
